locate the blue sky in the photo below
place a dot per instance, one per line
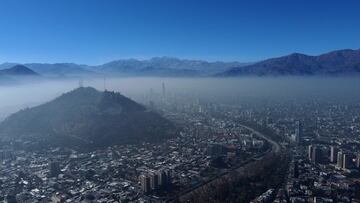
(97, 31)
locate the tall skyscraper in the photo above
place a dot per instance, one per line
(346, 161)
(151, 97)
(154, 181)
(145, 183)
(333, 154)
(339, 162)
(310, 152)
(358, 160)
(315, 155)
(162, 178)
(298, 132)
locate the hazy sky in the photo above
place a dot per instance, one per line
(97, 31)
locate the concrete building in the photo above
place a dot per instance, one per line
(346, 161)
(145, 183)
(164, 179)
(339, 163)
(154, 181)
(298, 132)
(333, 154)
(314, 153)
(310, 152)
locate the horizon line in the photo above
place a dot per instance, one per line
(179, 58)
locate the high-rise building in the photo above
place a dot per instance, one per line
(333, 154)
(298, 132)
(154, 181)
(162, 178)
(358, 160)
(314, 153)
(151, 98)
(145, 183)
(339, 162)
(346, 161)
(310, 152)
(315, 158)
(168, 177)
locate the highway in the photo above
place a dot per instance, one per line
(274, 149)
(275, 146)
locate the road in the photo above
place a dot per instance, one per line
(275, 146)
(275, 149)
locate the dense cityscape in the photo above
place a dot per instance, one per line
(315, 153)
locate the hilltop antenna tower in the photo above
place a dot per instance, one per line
(163, 90)
(105, 84)
(81, 83)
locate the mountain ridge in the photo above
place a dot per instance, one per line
(156, 66)
(167, 65)
(334, 63)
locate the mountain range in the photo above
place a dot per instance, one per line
(166, 66)
(335, 63)
(158, 66)
(87, 118)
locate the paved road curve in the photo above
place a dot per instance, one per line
(275, 145)
(275, 148)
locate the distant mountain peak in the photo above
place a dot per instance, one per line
(19, 70)
(164, 58)
(296, 54)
